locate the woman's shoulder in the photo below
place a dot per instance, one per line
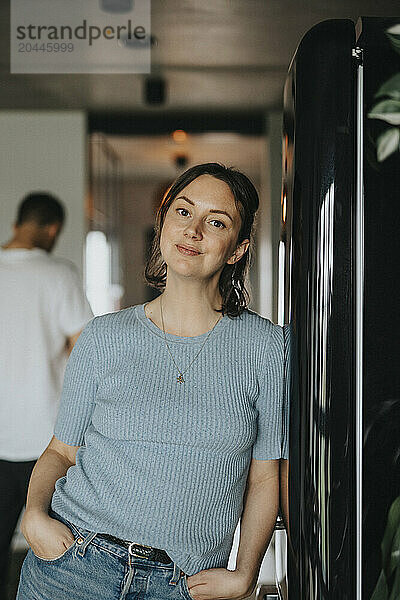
(264, 337)
(114, 320)
(256, 324)
(262, 334)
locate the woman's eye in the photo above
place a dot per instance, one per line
(218, 224)
(182, 211)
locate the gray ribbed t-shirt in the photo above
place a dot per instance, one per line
(163, 463)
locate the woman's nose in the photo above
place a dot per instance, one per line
(193, 230)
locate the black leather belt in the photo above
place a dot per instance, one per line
(138, 550)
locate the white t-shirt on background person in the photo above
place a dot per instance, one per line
(41, 304)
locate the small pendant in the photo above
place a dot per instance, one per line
(180, 379)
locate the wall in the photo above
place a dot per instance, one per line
(274, 162)
(137, 216)
(263, 240)
(45, 150)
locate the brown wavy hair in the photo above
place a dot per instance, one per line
(233, 278)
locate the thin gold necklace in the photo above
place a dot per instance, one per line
(180, 378)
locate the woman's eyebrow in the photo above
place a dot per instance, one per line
(212, 210)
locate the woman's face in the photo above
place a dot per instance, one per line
(200, 229)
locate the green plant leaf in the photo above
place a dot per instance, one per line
(393, 34)
(395, 591)
(387, 143)
(395, 554)
(381, 591)
(395, 41)
(392, 527)
(390, 557)
(391, 88)
(387, 110)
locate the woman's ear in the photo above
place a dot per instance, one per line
(240, 250)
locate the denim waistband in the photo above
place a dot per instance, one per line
(109, 546)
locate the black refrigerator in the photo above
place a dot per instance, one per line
(340, 300)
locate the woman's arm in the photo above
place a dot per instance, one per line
(284, 492)
(47, 537)
(261, 503)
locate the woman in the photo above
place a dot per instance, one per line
(170, 423)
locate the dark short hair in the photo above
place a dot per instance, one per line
(232, 281)
(41, 208)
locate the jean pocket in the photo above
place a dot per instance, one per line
(185, 587)
(56, 558)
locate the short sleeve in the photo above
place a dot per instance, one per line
(270, 441)
(73, 307)
(287, 338)
(79, 390)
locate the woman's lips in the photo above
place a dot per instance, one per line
(187, 251)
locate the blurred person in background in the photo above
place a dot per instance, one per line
(42, 311)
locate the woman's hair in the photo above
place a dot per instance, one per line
(233, 278)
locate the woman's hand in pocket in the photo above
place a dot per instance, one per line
(211, 584)
(47, 537)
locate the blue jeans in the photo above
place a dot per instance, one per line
(96, 569)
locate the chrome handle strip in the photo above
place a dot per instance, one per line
(359, 268)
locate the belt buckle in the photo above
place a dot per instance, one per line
(146, 553)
